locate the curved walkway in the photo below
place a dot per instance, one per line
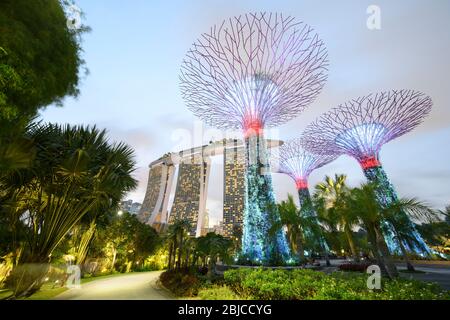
(140, 286)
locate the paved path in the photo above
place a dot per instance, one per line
(137, 286)
(438, 273)
(434, 271)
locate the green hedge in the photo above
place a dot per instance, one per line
(313, 285)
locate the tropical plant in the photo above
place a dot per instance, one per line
(329, 201)
(291, 219)
(402, 224)
(36, 68)
(75, 171)
(362, 204)
(213, 246)
(175, 237)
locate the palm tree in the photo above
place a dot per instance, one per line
(75, 171)
(176, 235)
(362, 204)
(291, 218)
(329, 198)
(402, 225)
(213, 246)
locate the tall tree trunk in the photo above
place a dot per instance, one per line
(375, 251)
(300, 249)
(114, 259)
(409, 265)
(327, 257)
(170, 256)
(351, 243)
(83, 246)
(180, 251)
(211, 264)
(381, 244)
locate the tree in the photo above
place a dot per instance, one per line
(74, 172)
(213, 246)
(126, 241)
(402, 224)
(40, 58)
(329, 200)
(361, 203)
(290, 217)
(175, 237)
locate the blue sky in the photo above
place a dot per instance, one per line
(136, 47)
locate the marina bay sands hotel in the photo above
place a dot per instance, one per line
(189, 201)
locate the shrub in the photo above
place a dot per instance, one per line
(180, 283)
(218, 293)
(315, 285)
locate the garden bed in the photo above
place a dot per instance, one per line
(266, 284)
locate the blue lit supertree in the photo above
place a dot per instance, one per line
(359, 128)
(298, 164)
(250, 72)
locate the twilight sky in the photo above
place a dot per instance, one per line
(136, 47)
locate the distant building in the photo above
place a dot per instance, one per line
(205, 224)
(234, 188)
(154, 210)
(192, 166)
(190, 195)
(218, 228)
(130, 206)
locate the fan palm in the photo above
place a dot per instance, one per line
(75, 171)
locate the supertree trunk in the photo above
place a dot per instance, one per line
(316, 238)
(261, 244)
(386, 194)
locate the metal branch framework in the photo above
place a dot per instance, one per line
(253, 70)
(298, 163)
(360, 127)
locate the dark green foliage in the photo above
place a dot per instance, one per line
(435, 233)
(39, 57)
(75, 171)
(127, 239)
(182, 284)
(264, 284)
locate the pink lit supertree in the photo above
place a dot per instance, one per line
(359, 128)
(298, 164)
(251, 72)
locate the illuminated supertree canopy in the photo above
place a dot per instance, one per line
(253, 71)
(250, 72)
(298, 164)
(359, 128)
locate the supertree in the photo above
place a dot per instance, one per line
(298, 164)
(359, 128)
(250, 72)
